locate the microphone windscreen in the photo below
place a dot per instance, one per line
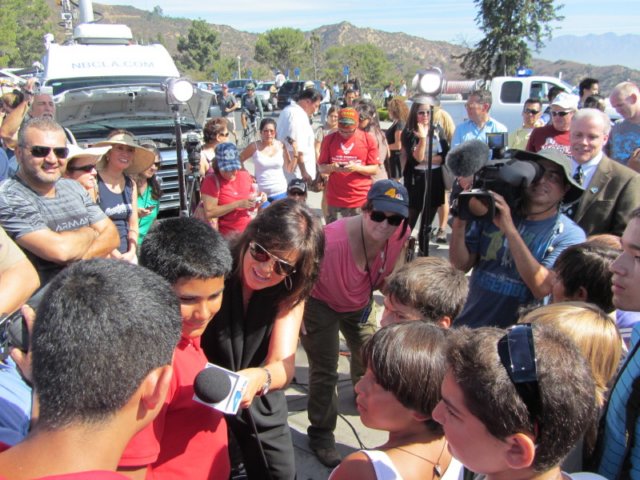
(467, 158)
(212, 385)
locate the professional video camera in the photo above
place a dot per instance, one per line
(508, 177)
(193, 146)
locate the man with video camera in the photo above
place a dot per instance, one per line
(512, 254)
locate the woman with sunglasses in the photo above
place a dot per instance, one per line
(149, 193)
(415, 141)
(270, 160)
(81, 166)
(406, 364)
(361, 253)
(255, 333)
(117, 192)
(215, 131)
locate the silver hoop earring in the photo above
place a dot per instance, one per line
(288, 283)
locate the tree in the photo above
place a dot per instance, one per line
(282, 48)
(366, 62)
(23, 24)
(200, 48)
(157, 11)
(507, 25)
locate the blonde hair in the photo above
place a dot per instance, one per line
(592, 330)
(443, 118)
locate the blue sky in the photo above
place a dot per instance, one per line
(451, 20)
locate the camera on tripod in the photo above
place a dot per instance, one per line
(193, 146)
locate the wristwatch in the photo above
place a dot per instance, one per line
(267, 383)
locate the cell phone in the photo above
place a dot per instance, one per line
(289, 140)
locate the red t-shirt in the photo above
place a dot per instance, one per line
(230, 191)
(348, 190)
(88, 475)
(187, 439)
(549, 137)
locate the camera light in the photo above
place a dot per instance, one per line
(179, 91)
(428, 82)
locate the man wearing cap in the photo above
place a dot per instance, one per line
(228, 105)
(294, 130)
(556, 134)
(350, 158)
(480, 122)
(512, 256)
(360, 253)
(624, 143)
(297, 190)
(251, 106)
(612, 191)
(52, 219)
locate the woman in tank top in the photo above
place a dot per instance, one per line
(117, 192)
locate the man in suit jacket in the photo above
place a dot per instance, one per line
(612, 191)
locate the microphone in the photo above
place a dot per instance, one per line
(212, 385)
(467, 158)
(219, 388)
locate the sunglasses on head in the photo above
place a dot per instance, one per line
(82, 168)
(560, 114)
(393, 220)
(261, 254)
(518, 356)
(40, 151)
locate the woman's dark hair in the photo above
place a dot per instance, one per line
(156, 189)
(368, 208)
(267, 121)
(286, 225)
(213, 128)
(409, 360)
(368, 111)
(412, 119)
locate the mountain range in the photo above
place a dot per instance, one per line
(406, 53)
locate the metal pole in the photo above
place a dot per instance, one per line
(239, 77)
(425, 223)
(182, 187)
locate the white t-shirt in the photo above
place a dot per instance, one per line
(294, 122)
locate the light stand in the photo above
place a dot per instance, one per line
(428, 85)
(179, 91)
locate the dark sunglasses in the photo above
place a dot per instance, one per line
(423, 112)
(224, 134)
(560, 114)
(393, 220)
(297, 193)
(531, 111)
(82, 168)
(518, 356)
(40, 151)
(261, 254)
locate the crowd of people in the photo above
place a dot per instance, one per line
(526, 368)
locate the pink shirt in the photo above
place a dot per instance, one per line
(342, 284)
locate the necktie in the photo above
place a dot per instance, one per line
(578, 176)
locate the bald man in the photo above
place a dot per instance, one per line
(624, 142)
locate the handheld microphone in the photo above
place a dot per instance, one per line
(467, 158)
(219, 388)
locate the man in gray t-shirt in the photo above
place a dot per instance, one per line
(624, 141)
(52, 219)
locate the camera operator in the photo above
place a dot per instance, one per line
(512, 256)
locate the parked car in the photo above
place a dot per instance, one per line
(239, 87)
(263, 90)
(290, 89)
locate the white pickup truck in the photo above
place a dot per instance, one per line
(509, 95)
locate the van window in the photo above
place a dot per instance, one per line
(511, 92)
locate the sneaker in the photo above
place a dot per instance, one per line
(441, 236)
(329, 457)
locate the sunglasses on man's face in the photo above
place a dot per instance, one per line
(261, 254)
(560, 114)
(531, 111)
(81, 168)
(393, 220)
(40, 151)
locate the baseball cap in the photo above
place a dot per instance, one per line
(250, 86)
(227, 157)
(389, 196)
(224, 85)
(560, 159)
(348, 118)
(309, 84)
(297, 184)
(566, 101)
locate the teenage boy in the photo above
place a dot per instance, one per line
(188, 439)
(539, 404)
(101, 352)
(428, 289)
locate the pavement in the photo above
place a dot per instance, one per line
(351, 435)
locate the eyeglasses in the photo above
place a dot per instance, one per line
(296, 193)
(560, 114)
(393, 220)
(82, 168)
(225, 134)
(268, 130)
(40, 151)
(157, 164)
(518, 356)
(531, 111)
(423, 112)
(261, 254)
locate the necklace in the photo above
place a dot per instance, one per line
(437, 469)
